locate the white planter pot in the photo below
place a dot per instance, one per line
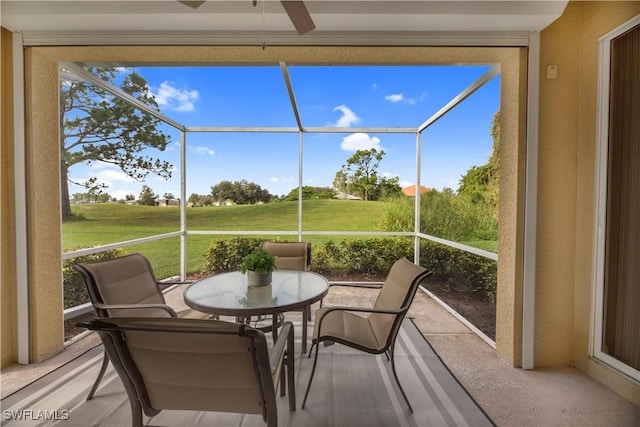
(258, 279)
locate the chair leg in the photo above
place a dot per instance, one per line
(313, 343)
(103, 368)
(136, 413)
(395, 375)
(290, 368)
(305, 317)
(313, 370)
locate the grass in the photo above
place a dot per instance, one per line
(100, 224)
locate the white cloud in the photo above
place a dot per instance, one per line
(175, 99)
(173, 146)
(396, 97)
(399, 97)
(109, 176)
(105, 173)
(205, 150)
(285, 179)
(348, 118)
(360, 141)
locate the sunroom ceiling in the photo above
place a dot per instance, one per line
(238, 21)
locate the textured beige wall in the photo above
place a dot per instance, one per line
(510, 239)
(557, 192)
(7, 219)
(566, 187)
(43, 204)
(46, 225)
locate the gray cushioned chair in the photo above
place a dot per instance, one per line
(126, 286)
(198, 365)
(292, 256)
(372, 330)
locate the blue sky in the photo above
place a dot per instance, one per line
(343, 96)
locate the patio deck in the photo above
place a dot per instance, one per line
(511, 397)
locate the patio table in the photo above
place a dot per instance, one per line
(227, 294)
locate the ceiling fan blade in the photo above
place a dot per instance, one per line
(299, 15)
(192, 4)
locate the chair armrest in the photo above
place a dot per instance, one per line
(354, 285)
(164, 307)
(356, 309)
(283, 344)
(174, 282)
(372, 285)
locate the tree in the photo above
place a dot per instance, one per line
(147, 196)
(341, 181)
(480, 183)
(222, 192)
(309, 192)
(360, 174)
(193, 199)
(240, 192)
(387, 188)
(100, 127)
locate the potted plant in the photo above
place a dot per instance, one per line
(258, 266)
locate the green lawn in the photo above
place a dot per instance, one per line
(101, 224)
(107, 223)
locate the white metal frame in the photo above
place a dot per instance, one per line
(602, 140)
(530, 206)
(20, 200)
(301, 130)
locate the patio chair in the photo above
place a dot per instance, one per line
(372, 330)
(126, 286)
(197, 365)
(292, 256)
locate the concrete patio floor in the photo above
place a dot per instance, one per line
(510, 396)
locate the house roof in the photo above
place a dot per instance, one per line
(411, 190)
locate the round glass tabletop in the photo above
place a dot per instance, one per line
(229, 294)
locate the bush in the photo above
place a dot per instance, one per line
(446, 215)
(360, 256)
(373, 256)
(74, 288)
(462, 268)
(227, 254)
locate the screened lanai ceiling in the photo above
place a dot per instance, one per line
(240, 21)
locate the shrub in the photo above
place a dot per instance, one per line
(446, 215)
(227, 254)
(360, 256)
(371, 256)
(74, 288)
(462, 268)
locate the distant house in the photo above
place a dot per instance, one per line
(411, 190)
(167, 202)
(345, 196)
(227, 202)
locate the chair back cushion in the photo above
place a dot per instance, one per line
(125, 280)
(397, 292)
(290, 255)
(192, 364)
